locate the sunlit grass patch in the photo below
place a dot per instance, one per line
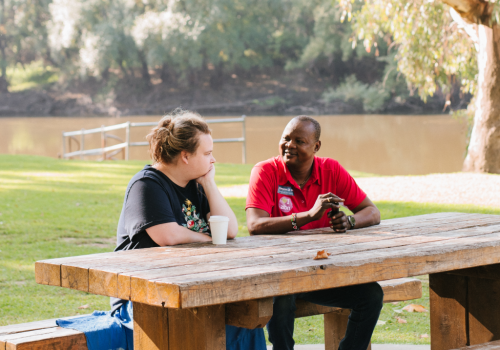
(33, 75)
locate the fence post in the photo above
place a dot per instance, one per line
(64, 146)
(82, 143)
(103, 142)
(127, 140)
(244, 148)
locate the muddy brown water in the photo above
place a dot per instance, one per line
(380, 144)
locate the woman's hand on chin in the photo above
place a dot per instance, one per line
(208, 178)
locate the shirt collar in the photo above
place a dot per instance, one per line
(285, 176)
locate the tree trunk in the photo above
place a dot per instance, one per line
(484, 148)
(145, 70)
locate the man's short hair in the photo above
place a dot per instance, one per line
(314, 122)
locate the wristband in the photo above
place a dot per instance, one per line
(294, 221)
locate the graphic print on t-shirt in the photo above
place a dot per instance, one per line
(285, 204)
(193, 221)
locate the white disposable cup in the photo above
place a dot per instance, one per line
(218, 228)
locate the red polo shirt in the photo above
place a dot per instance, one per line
(273, 189)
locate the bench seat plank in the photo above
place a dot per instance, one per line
(54, 338)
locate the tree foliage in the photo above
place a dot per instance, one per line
(433, 51)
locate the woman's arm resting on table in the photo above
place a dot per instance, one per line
(366, 214)
(217, 203)
(260, 222)
(172, 234)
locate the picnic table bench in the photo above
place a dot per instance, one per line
(179, 293)
(248, 314)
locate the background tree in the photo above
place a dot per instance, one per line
(434, 51)
(23, 34)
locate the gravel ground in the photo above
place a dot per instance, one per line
(455, 188)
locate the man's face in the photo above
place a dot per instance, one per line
(298, 143)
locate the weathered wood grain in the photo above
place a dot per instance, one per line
(448, 304)
(307, 274)
(54, 338)
(495, 345)
(401, 289)
(224, 267)
(411, 246)
(249, 314)
(200, 328)
(488, 272)
(483, 310)
(47, 272)
(335, 325)
(151, 330)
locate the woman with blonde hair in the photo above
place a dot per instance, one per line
(167, 203)
(170, 202)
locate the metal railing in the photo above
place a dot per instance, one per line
(109, 152)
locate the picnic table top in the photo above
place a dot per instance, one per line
(201, 274)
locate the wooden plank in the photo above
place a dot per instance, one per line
(488, 272)
(495, 345)
(401, 289)
(47, 272)
(306, 309)
(483, 310)
(24, 327)
(448, 304)
(150, 327)
(394, 290)
(295, 277)
(200, 328)
(142, 280)
(285, 254)
(74, 278)
(305, 266)
(75, 270)
(31, 326)
(249, 314)
(335, 326)
(52, 338)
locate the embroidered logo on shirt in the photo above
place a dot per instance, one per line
(193, 221)
(285, 190)
(285, 204)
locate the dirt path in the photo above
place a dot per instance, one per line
(456, 188)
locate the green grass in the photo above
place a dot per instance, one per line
(53, 208)
(33, 75)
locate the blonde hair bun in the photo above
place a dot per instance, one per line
(176, 132)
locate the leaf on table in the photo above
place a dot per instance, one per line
(424, 336)
(321, 254)
(415, 308)
(380, 323)
(401, 320)
(86, 306)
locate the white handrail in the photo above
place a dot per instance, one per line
(127, 144)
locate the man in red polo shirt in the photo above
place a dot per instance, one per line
(298, 190)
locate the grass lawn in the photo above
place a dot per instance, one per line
(54, 208)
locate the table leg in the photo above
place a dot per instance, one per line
(448, 296)
(465, 305)
(201, 328)
(335, 326)
(484, 310)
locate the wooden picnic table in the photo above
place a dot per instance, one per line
(179, 292)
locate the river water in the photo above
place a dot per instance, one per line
(380, 144)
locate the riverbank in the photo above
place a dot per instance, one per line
(275, 93)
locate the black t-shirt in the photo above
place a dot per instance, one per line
(151, 199)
